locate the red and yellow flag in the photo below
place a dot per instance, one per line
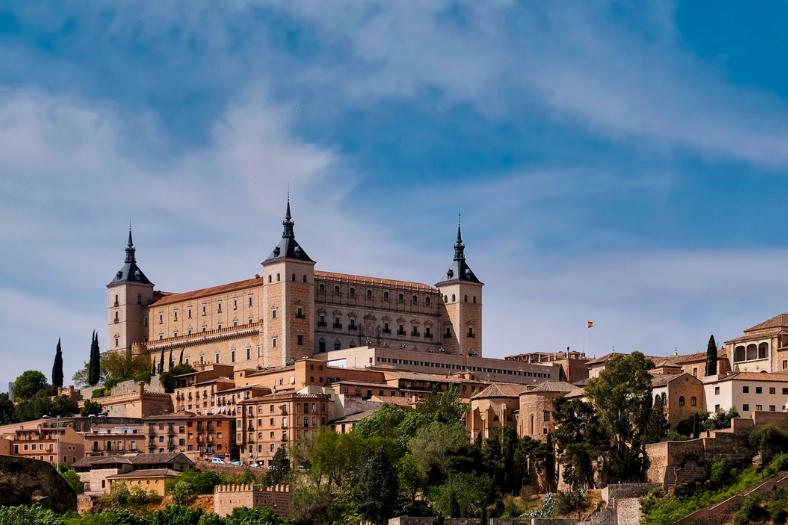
(590, 324)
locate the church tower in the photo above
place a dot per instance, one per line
(128, 295)
(288, 300)
(462, 301)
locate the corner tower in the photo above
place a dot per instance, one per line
(462, 301)
(288, 300)
(128, 296)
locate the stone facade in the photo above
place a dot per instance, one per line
(535, 418)
(191, 434)
(761, 348)
(747, 392)
(229, 497)
(680, 395)
(291, 311)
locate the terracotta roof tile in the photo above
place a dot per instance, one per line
(169, 298)
(755, 376)
(500, 390)
(362, 279)
(778, 321)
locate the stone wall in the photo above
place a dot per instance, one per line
(725, 509)
(228, 497)
(26, 481)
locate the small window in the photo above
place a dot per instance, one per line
(716, 390)
(465, 299)
(758, 390)
(386, 299)
(415, 299)
(273, 313)
(745, 407)
(250, 302)
(453, 298)
(693, 401)
(300, 340)
(772, 390)
(277, 277)
(427, 301)
(352, 292)
(293, 278)
(369, 294)
(235, 304)
(269, 278)
(745, 389)
(216, 357)
(273, 342)
(681, 401)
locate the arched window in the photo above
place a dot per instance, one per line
(293, 278)
(693, 401)
(681, 401)
(269, 277)
(427, 301)
(304, 277)
(466, 298)
(369, 294)
(738, 354)
(763, 350)
(752, 352)
(277, 277)
(453, 298)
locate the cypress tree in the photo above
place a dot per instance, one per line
(94, 366)
(180, 359)
(711, 357)
(172, 363)
(161, 362)
(57, 367)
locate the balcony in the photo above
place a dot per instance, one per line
(336, 325)
(387, 331)
(352, 327)
(401, 332)
(322, 324)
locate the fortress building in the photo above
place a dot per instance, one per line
(291, 311)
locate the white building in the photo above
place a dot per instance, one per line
(747, 392)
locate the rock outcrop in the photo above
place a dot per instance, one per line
(26, 481)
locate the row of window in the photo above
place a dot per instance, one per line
(460, 367)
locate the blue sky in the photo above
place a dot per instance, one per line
(617, 162)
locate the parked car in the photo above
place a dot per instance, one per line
(236, 463)
(217, 460)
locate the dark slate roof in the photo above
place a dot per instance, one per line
(129, 272)
(288, 247)
(165, 458)
(458, 271)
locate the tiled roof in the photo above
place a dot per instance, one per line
(602, 359)
(352, 418)
(778, 321)
(205, 292)
(146, 473)
(172, 415)
(361, 279)
(663, 379)
(551, 386)
(696, 357)
(158, 459)
(91, 461)
(576, 393)
(755, 376)
(500, 390)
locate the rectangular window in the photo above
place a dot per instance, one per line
(745, 389)
(759, 408)
(546, 415)
(758, 390)
(217, 357)
(273, 342)
(716, 390)
(772, 390)
(745, 407)
(300, 340)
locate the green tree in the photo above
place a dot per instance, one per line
(182, 493)
(57, 367)
(161, 362)
(30, 383)
(579, 439)
(6, 409)
(620, 398)
(71, 477)
(63, 406)
(657, 425)
(279, 468)
(123, 366)
(94, 364)
(711, 357)
(28, 515)
(91, 408)
(168, 378)
(377, 489)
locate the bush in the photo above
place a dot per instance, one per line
(778, 506)
(176, 515)
(202, 482)
(718, 473)
(749, 511)
(182, 493)
(113, 517)
(260, 516)
(72, 478)
(119, 494)
(100, 392)
(675, 436)
(28, 515)
(575, 500)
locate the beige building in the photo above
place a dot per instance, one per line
(681, 395)
(494, 407)
(47, 442)
(535, 417)
(762, 348)
(109, 439)
(747, 392)
(152, 480)
(264, 424)
(290, 310)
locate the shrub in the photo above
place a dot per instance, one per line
(72, 478)
(176, 515)
(719, 473)
(749, 511)
(675, 436)
(182, 493)
(28, 515)
(113, 517)
(575, 500)
(202, 482)
(99, 392)
(209, 518)
(777, 505)
(119, 494)
(260, 516)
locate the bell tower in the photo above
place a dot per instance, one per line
(461, 292)
(288, 300)
(128, 295)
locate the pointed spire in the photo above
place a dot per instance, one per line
(288, 222)
(459, 247)
(130, 248)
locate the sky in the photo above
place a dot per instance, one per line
(616, 162)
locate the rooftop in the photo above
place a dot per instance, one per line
(170, 298)
(362, 279)
(147, 473)
(500, 390)
(778, 321)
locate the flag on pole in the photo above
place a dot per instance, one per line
(590, 324)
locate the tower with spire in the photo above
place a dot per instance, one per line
(128, 295)
(288, 299)
(461, 292)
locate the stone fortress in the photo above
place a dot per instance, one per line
(291, 311)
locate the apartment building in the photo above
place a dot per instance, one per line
(195, 435)
(46, 442)
(747, 392)
(264, 424)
